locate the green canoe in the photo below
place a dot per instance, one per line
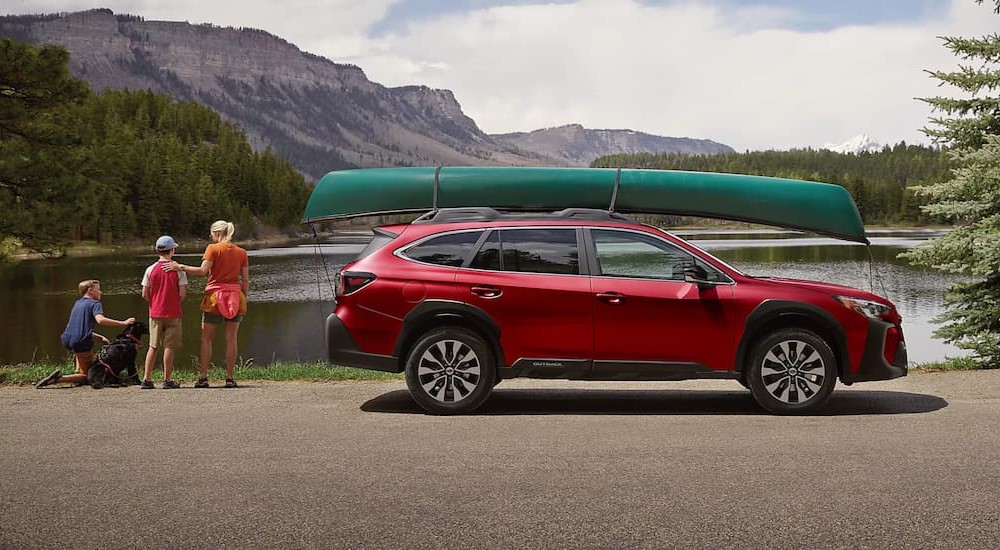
(822, 208)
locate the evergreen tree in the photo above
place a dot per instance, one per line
(879, 182)
(123, 164)
(37, 136)
(971, 126)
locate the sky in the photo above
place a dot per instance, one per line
(754, 75)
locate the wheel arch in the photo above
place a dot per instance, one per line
(772, 315)
(432, 314)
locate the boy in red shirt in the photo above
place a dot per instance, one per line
(164, 290)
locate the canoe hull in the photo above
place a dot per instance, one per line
(811, 206)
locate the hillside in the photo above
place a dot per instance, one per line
(318, 114)
(579, 146)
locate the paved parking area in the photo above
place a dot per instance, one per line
(904, 463)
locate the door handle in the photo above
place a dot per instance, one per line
(486, 292)
(611, 297)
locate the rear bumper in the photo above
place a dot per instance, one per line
(873, 365)
(342, 350)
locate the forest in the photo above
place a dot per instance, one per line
(124, 165)
(880, 182)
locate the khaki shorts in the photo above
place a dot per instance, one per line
(165, 333)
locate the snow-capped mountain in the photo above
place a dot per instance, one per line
(860, 143)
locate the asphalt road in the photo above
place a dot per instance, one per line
(910, 463)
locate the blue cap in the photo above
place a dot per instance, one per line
(165, 243)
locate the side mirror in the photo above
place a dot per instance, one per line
(695, 274)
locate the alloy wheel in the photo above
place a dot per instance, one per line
(449, 370)
(793, 371)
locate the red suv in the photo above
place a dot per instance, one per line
(462, 298)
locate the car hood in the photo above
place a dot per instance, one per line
(829, 289)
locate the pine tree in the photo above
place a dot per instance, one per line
(37, 132)
(970, 126)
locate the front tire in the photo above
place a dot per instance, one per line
(792, 371)
(450, 370)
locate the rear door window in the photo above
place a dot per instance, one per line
(552, 250)
(450, 249)
(488, 256)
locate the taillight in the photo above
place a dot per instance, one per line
(349, 282)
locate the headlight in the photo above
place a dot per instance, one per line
(868, 308)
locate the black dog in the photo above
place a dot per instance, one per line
(116, 357)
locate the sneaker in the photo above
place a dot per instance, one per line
(50, 379)
(170, 385)
(201, 383)
(146, 385)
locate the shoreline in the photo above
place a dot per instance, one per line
(272, 238)
(89, 249)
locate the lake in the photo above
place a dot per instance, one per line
(291, 294)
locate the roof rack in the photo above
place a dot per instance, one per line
(475, 214)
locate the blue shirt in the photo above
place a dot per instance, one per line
(79, 333)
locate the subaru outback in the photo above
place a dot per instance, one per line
(460, 299)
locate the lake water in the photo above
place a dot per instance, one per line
(291, 294)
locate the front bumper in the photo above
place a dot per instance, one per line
(873, 365)
(342, 350)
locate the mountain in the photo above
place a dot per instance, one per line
(318, 114)
(858, 144)
(579, 146)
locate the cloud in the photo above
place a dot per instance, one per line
(741, 76)
(686, 69)
(335, 25)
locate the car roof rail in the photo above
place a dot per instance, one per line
(445, 215)
(591, 214)
(475, 214)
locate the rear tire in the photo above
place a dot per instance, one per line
(792, 371)
(450, 370)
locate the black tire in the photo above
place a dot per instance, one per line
(450, 370)
(792, 371)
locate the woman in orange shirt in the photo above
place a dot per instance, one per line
(225, 300)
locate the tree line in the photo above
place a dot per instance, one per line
(116, 165)
(881, 183)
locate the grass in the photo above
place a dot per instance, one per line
(23, 374)
(951, 364)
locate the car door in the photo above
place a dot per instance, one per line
(528, 280)
(645, 312)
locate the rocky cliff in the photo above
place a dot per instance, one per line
(318, 114)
